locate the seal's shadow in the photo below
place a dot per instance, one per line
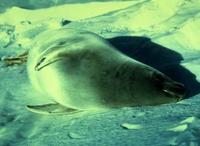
(159, 57)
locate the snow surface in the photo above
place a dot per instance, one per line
(163, 34)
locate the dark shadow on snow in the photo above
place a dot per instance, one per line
(159, 57)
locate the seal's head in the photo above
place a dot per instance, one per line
(168, 87)
(133, 84)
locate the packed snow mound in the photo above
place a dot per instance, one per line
(160, 33)
(67, 11)
(35, 4)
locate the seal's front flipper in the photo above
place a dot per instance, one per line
(19, 59)
(52, 108)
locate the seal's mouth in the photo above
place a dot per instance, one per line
(169, 87)
(174, 89)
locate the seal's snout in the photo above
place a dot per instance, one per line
(169, 87)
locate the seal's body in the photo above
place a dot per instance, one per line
(81, 70)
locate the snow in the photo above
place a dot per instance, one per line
(69, 11)
(131, 126)
(163, 34)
